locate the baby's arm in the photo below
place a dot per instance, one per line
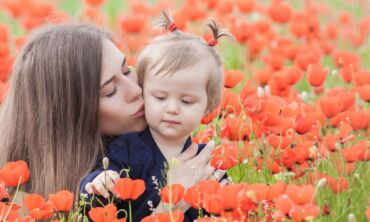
(100, 181)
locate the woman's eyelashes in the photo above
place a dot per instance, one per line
(113, 92)
(127, 72)
(115, 87)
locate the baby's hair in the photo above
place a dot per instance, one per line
(178, 50)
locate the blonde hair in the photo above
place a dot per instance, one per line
(50, 115)
(179, 50)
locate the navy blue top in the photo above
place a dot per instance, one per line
(139, 153)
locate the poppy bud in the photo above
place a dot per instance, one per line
(351, 218)
(321, 183)
(268, 90)
(105, 163)
(260, 92)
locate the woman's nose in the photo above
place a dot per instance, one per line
(132, 90)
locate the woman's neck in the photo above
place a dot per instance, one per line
(169, 147)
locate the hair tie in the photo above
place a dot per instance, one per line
(212, 42)
(171, 27)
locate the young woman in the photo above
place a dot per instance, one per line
(71, 90)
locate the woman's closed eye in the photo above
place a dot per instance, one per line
(113, 92)
(127, 72)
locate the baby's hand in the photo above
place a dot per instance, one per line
(103, 183)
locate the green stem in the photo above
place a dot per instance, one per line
(15, 195)
(130, 211)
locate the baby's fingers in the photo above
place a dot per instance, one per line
(100, 189)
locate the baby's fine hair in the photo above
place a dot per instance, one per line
(178, 50)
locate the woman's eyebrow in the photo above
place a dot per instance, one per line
(107, 82)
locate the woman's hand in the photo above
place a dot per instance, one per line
(191, 168)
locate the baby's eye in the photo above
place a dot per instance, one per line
(187, 102)
(160, 98)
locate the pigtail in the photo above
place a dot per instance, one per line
(217, 33)
(165, 21)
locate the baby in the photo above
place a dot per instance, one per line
(182, 80)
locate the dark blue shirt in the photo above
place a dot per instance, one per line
(139, 153)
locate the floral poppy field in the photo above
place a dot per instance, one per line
(293, 127)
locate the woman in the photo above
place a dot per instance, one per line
(70, 91)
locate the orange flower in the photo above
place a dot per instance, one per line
(95, 3)
(15, 172)
(262, 76)
(359, 119)
(212, 203)
(361, 77)
(304, 124)
(12, 209)
(133, 23)
(364, 92)
(225, 156)
(316, 74)
(37, 207)
(3, 192)
(129, 189)
(105, 214)
(279, 141)
(284, 203)
(368, 212)
(330, 106)
(300, 195)
(174, 216)
(62, 201)
(245, 6)
(300, 213)
(280, 12)
(339, 185)
(195, 194)
(232, 78)
(207, 119)
(172, 193)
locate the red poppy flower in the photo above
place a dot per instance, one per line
(95, 3)
(339, 185)
(316, 74)
(15, 172)
(129, 189)
(232, 78)
(3, 192)
(300, 213)
(300, 195)
(364, 92)
(173, 216)
(280, 11)
(105, 214)
(133, 24)
(225, 156)
(245, 6)
(330, 106)
(172, 193)
(62, 201)
(37, 206)
(12, 209)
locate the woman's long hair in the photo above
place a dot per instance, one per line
(50, 115)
